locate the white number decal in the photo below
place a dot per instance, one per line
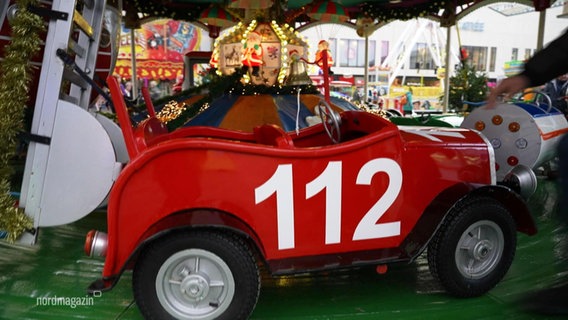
(281, 184)
(368, 228)
(329, 179)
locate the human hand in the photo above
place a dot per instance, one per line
(507, 88)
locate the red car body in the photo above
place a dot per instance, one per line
(302, 202)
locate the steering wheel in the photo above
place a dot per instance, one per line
(331, 121)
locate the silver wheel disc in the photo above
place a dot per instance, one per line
(195, 284)
(479, 249)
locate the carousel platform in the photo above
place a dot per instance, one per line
(49, 281)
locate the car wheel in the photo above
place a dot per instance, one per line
(196, 275)
(474, 247)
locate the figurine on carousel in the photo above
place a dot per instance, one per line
(252, 53)
(323, 46)
(214, 61)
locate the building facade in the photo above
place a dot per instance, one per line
(413, 52)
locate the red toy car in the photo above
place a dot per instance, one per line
(196, 211)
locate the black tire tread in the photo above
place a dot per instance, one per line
(457, 217)
(239, 251)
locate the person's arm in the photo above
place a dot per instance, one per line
(548, 63)
(507, 87)
(545, 65)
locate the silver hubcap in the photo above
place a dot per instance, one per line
(196, 287)
(479, 249)
(195, 284)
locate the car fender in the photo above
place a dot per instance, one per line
(514, 203)
(202, 218)
(183, 222)
(427, 226)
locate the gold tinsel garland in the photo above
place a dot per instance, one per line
(15, 78)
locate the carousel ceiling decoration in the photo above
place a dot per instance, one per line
(250, 4)
(215, 18)
(328, 11)
(306, 11)
(215, 15)
(152, 9)
(402, 11)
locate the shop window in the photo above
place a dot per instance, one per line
(477, 57)
(420, 57)
(492, 59)
(333, 48)
(352, 53)
(515, 54)
(528, 53)
(384, 50)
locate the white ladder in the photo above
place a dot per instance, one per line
(75, 27)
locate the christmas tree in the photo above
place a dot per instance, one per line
(466, 85)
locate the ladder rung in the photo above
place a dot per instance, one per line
(74, 78)
(75, 47)
(83, 24)
(68, 98)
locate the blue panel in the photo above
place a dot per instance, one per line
(342, 103)
(287, 106)
(213, 116)
(538, 111)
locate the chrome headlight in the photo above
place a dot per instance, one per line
(522, 179)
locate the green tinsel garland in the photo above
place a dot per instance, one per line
(15, 78)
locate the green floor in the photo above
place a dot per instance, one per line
(31, 279)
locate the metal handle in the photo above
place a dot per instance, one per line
(539, 93)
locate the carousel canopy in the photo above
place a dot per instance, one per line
(294, 4)
(307, 11)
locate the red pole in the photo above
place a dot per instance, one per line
(325, 76)
(123, 117)
(148, 101)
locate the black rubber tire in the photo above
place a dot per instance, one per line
(487, 214)
(233, 252)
